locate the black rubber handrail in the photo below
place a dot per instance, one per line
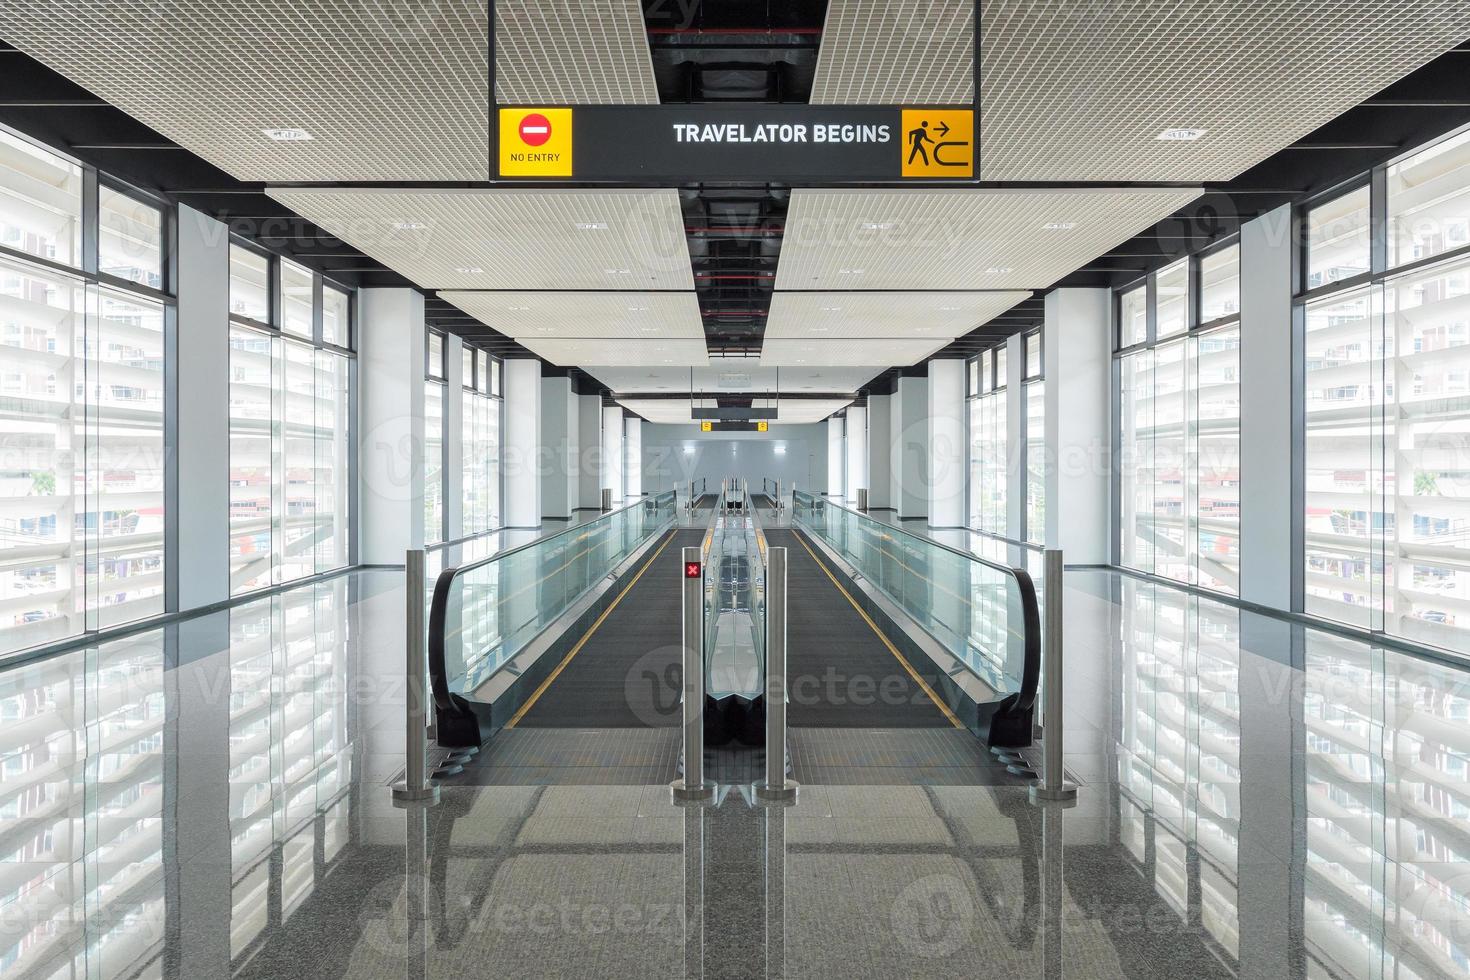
(1026, 587)
(444, 584)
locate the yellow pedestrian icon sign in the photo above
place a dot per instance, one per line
(938, 143)
(762, 426)
(706, 427)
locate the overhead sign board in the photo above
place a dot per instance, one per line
(788, 143)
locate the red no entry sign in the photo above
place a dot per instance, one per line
(535, 129)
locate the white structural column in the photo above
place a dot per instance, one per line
(1078, 353)
(1266, 557)
(612, 452)
(837, 457)
(452, 474)
(1015, 438)
(632, 457)
(909, 461)
(878, 479)
(390, 444)
(588, 460)
(201, 503)
(857, 453)
(948, 448)
(521, 390)
(559, 425)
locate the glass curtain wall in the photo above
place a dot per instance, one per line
(290, 382)
(480, 439)
(1179, 383)
(1387, 401)
(82, 394)
(989, 466)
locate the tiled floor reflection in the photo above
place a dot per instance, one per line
(1261, 801)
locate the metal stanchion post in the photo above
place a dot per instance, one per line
(777, 786)
(416, 786)
(692, 786)
(862, 499)
(1053, 785)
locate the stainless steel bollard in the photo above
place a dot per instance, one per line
(862, 499)
(606, 499)
(416, 786)
(1053, 785)
(777, 786)
(692, 786)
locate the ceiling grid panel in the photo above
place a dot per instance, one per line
(958, 238)
(389, 90)
(584, 315)
(572, 52)
(509, 238)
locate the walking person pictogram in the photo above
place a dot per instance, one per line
(917, 138)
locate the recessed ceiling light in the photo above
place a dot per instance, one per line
(849, 272)
(289, 134)
(592, 226)
(546, 330)
(949, 309)
(408, 225)
(637, 309)
(1181, 135)
(1059, 226)
(820, 329)
(877, 225)
(831, 309)
(514, 309)
(649, 329)
(998, 270)
(469, 270)
(618, 272)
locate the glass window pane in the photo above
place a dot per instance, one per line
(1428, 382)
(296, 299)
(494, 376)
(41, 438)
(1033, 355)
(435, 364)
(1344, 437)
(298, 423)
(1171, 463)
(467, 367)
(1172, 286)
(1219, 284)
(1133, 317)
(129, 518)
(40, 202)
(1000, 367)
(974, 376)
(1035, 392)
(1137, 463)
(492, 452)
(129, 238)
(482, 372)
(1429, 202)
(1217, 376)
(249, 284)
(252, 364)
(433, 462)
(1338, 239)
(336, 316)
(331, 433)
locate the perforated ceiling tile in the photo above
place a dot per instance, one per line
(514, 238)
(618, 353)
(1082, 91)
(958, 238)
(848, 353)
(909, 52)
(733, 375)
(607, 315)
(834, 316)
(387, 90)
(572, 52)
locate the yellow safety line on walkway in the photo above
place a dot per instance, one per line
(886, 641)
(530, 703)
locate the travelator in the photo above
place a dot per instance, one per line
(499, 627)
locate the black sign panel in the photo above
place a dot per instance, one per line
(786, 143)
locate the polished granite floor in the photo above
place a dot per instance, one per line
(209, 800)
